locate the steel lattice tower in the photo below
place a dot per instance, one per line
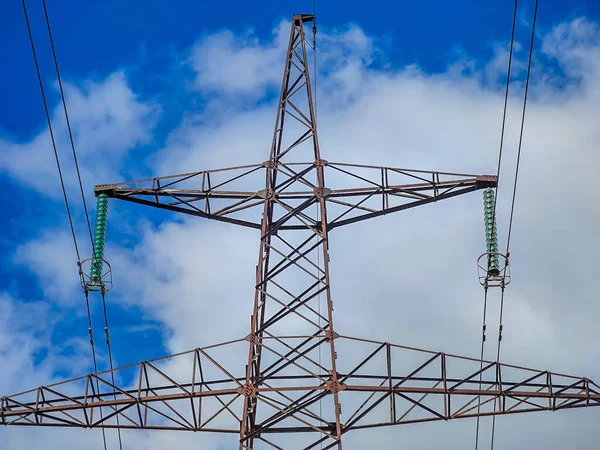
(294, 371)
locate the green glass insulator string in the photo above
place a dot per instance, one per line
(99, 238)
(491, 234)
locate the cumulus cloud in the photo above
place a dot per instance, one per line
(233, 65)
(573, 44)
(409, 278)
(28, 359)
(108, 121)
(230, 64)
(52, 259)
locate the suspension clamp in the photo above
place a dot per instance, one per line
(491, 275)
(93, 280)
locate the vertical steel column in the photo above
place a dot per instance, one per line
(262, 319)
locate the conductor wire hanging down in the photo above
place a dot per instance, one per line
(91, 333)
(110, 360)
(512, 207)
(60, 174)
(64, 104)
(64, 192)
(65, 197)
(97, 282)
(483, 339)
(492, 268)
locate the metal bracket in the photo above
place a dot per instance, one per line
(493, 278)
(88, 284)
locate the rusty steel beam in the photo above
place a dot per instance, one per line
(156, 401)
(349, 202)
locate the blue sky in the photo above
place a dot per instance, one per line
(150, 92)
(94, 38)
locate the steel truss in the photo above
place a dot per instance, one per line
(381, 384)
(386, 190)
(285, 376)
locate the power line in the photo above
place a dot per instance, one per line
(512, 208)
(64, 103)
(510, 56)
(110, 359)
(60, 175)
(91, 333)
(484, 326)
(497, 360)
(506, 92)
(62, 183)
(65, 197)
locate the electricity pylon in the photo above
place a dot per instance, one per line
(285, 375)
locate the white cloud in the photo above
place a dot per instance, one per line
(28, 359)
(231, 64)
(108, 120)
(108, 117)
(409, 278)
(241, 65)
(496, 68)
(183, 284)
(52, 259)
(574, 45)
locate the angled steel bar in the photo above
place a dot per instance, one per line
(36, 408)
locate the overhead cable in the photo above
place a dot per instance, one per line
(512, 207)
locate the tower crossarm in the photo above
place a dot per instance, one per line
(382, 385)
(376, 191)
(219, 194)
(226, 195)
